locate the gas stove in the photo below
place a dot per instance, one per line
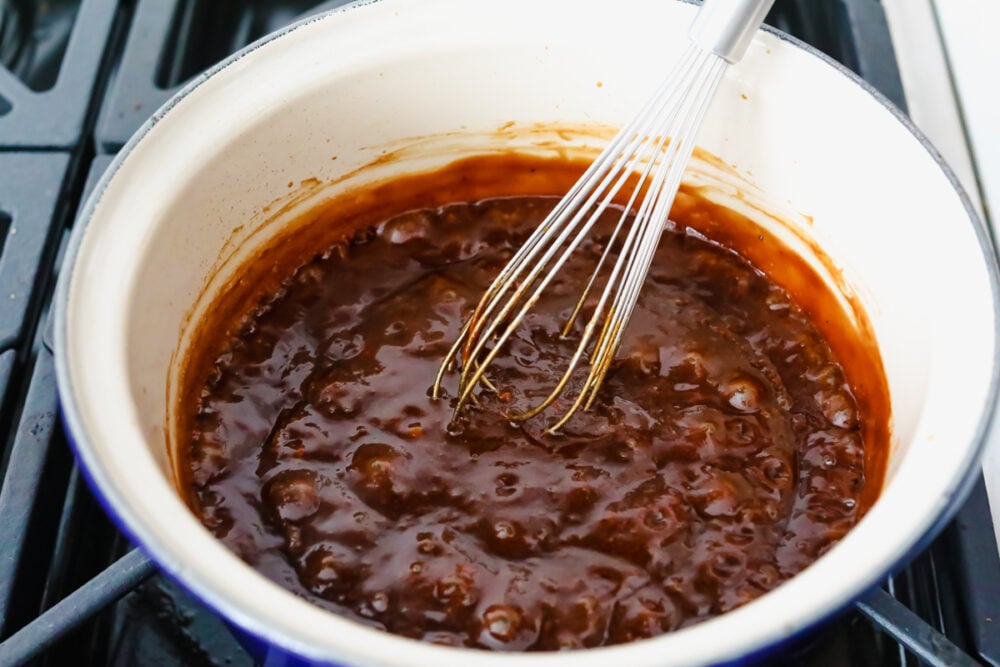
(77, 77)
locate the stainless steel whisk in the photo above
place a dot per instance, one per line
(651, 151)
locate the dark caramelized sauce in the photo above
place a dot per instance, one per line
(726, 453)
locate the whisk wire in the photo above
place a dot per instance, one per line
(557, 218)
(650, 223)
(600, 169)
(608, 250)
(651, 151)
(475, 332)
(467, 382)
(477, 338)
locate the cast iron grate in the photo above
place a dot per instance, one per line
(30, 187)
(173, 40)
(58, 551)
(49, 63)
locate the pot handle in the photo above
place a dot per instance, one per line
(892, 616)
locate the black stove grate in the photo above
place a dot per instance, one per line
(51, 65)
(173, 40)
(77, 77)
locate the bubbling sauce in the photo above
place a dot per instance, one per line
(726, 452)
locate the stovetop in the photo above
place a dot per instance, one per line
(77, 77)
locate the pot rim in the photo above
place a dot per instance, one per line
(146, 536)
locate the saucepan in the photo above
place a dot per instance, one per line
(379, 88)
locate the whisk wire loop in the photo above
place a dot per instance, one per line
(650, 223)
(567, 213)
(649, 156)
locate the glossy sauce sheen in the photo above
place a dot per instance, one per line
(726, 452)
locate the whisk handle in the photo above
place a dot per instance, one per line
(726, 27)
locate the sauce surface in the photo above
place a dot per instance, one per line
(726, 451)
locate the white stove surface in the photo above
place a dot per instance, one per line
(948, 53)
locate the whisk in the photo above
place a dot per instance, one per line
(643, 164)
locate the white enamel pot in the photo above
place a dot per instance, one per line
(433, 80)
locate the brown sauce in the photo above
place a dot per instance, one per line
(741, 433)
